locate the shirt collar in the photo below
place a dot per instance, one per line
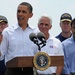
(17, 26)
(72, 38)
(50, 37)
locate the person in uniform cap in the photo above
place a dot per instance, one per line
(3, 22)
(3, 25)
(65, 24)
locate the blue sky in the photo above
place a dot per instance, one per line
(53, 8)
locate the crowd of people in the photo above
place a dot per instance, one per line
(15, 42)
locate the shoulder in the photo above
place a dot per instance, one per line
(32, 30)
(8, 29)
(58, 36)
(67, 41)
(55, 39)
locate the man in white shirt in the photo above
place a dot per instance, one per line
(16, 40)
(53, 45)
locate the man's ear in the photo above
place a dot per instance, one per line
(50, 27)
(38, 25)
(31, 14)
(60, 24)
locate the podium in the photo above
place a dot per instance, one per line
(27, 61)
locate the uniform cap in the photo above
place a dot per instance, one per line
(3, 19)
(66, 17)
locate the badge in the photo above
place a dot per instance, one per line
(42, 61)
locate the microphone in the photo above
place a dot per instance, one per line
(41, 37)
(33, 38)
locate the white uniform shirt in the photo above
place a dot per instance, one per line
(16, 43)
(53, 48)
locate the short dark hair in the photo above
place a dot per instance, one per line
(72, 22)
(28, 5)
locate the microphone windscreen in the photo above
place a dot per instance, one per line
(32, 36)
(40, 36)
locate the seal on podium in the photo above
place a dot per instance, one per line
(41, 61)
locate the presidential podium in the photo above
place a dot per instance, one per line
(27, 61)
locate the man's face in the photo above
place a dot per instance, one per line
(0, 37)
(44, 25)
(23, 14)
(65, 26)
(73, 29)
(3, 25)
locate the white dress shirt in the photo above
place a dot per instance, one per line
(16, 42)
(53, 48)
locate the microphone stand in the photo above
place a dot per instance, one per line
(43, 43)
(39, 47)
(36, 42)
